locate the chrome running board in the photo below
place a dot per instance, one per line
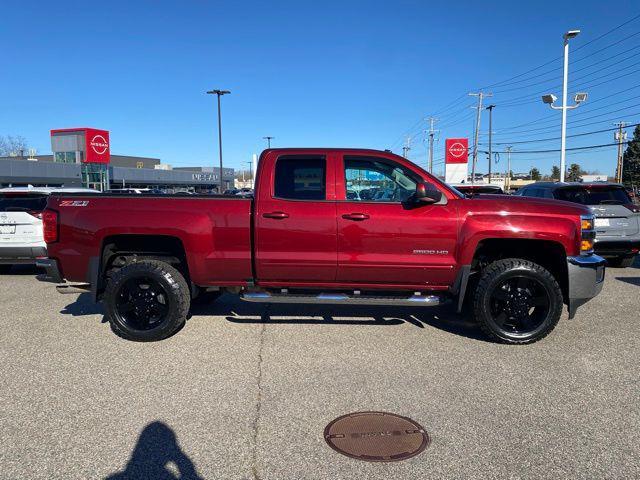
(416, 300)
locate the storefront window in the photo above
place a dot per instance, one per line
(95, 176)
(65, 157)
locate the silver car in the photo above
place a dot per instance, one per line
(617, 218)
(21, 235)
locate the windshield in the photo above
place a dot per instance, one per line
(593, 196)
(21, 202)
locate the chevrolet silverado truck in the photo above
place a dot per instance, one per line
(327, 226)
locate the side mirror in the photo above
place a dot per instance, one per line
(427, 193)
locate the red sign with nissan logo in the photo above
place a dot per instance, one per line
(96, 143)
(97, 146)
(457, 150)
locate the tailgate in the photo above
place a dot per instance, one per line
(20, 227)
(615, 221)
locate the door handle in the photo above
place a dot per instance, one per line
(358, 217)
(276, 215)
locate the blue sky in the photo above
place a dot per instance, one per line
(348, 73)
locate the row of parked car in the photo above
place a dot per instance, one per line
(617, 217)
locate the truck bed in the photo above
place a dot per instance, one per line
(214, 229)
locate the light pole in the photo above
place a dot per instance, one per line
(250, 173)
(550, 99)
(268, 139)
(490, 108)
(219, 93)
(508, 169)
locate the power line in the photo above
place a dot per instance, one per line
(520, 132)
(558, 138)
(591, 102)
(552, 79)
(589, 147)
(513, 101)
(503, 82)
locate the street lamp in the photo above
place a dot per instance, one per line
(219, 93)
(268, 139)
(550, 99)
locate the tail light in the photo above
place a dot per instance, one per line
(50, 226)
(633, 207)
(587, 234)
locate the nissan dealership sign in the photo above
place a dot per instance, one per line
(456, 159)
(457, 150)
(93, 143)
(97, 150)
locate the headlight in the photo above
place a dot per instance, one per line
(587, 234)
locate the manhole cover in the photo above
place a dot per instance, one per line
(376, 436)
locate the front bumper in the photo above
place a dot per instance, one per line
(586, 276)
(617, 248)
(52, 272)
(13, 255)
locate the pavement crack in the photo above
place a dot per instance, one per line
(256, 420)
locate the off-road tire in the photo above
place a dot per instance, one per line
(621, 262)
(178, 299)
(497, 272)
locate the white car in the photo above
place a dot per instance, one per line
(21, 236)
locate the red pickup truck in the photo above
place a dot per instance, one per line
(336, 226)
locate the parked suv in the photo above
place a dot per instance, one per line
(617, 220)
(21, 237)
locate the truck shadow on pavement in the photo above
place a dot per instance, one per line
(84, 305)
(630, 280)
(157, 456)
(237, 311)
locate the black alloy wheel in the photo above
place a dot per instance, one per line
(517, 301)
(141, 303)
(519, 304)
(147, 300)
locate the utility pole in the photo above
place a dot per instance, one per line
(432, 132)
(480, 96)
(250, 172)
(219, 93)
(620, 136)
(406, 148)
(508, 175)
(490, 108)
(268, 139)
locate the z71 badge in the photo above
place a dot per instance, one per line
(74, 203)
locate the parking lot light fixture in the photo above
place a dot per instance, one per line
(550, 99)
(219, 93)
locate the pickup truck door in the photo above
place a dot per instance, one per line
(295, 238)
(382, 239)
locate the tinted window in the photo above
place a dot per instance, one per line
(301, 178)
(374, 180)
(593, 196)
(21, 202)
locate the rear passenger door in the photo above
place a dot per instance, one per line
(296, 220)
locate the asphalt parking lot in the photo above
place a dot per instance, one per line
(245, 391)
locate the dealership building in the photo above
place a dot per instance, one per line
(82, 158)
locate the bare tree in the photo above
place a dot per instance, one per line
(13, 145)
